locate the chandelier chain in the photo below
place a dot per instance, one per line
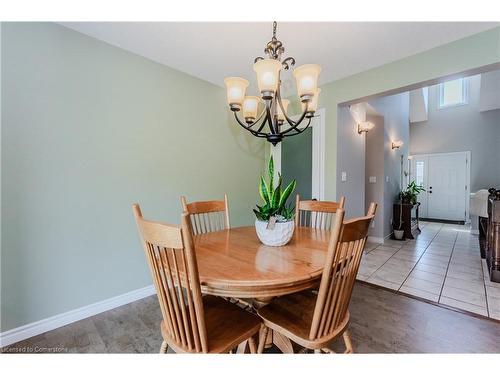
(275, 25)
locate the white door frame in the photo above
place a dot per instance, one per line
(467, 175)
(318, 154)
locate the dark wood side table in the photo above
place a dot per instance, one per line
(409, 218)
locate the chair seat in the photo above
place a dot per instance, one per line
(227, 325)
(292, 316)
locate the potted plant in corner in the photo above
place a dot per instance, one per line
(274, 222)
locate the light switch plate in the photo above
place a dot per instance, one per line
(344, 176)
(386, 178)
(372, 179)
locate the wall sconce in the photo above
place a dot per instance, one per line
(365, 126)
(397, 144)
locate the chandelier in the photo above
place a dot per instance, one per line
(274, 111)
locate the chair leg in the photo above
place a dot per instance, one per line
(242, 347)
(262, 339)
(164, 347)
(252, 346)
(348, 343)
(327, 350)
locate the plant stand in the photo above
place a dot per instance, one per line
(410, 224)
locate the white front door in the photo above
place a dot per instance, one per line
(447, 186)
(445, 178)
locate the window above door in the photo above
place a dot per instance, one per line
(453, 93)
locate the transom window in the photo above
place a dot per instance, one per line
(453, 93)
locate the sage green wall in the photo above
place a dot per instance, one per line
(469, 53)
(87, 130)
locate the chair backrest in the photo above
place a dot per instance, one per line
(207, 216)
(339, 274)
(316, 214)
(172, 260)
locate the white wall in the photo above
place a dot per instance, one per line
(490, 91)
(353, 154)
(462, 128)
(351, 160)
(419, 104)
(395, 111)
(374, 166)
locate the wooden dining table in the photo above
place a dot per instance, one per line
(234, 263)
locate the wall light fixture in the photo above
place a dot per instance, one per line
(365, 126)
(397, 144)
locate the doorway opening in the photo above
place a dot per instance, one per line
(303, 158)
(443, 136)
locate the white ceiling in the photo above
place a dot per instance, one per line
(214, 50)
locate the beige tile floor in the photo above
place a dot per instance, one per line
(442, 264)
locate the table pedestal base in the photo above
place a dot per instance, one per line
(282, 342)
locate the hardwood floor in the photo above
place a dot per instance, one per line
(381, 322)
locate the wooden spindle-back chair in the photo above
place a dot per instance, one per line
(207, 216)
(191, 323)
(316, 214)
(315, 320)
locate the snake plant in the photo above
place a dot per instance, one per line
(274, 198)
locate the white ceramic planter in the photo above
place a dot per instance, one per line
(279, 236)
(399, 234)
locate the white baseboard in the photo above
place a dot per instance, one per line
(56, 321)
(375, 239)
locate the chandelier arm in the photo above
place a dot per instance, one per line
(299, 131)
(278, 97)
(249, 126)
(293, 124)
(269, 117)
(296, 124)
(258, 119)
(259, 130)
(256, 133)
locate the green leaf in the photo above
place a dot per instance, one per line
(258, 215)
(271, 173)
(264, 190)
(286, 193)
(276, 194)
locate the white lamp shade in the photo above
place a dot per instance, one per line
(279, 112)
(312, 105)
(250, 107)
(267, 71)
(236, 88)
(306, 77)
